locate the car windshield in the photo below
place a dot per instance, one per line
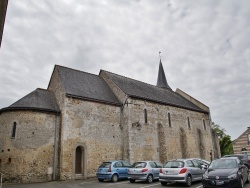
(173, 164)
(139, 165)
(223, 164)
(105, 165)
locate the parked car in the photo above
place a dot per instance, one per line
(243, 157)
(181, 171)
(144, 170)
(113, 170)
(226, 172)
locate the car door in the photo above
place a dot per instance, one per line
(192, 169)
(199, 171)
(118, 167)
(125, 166)
(158, 166)
(155, 170)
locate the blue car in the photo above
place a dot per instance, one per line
(113, 170)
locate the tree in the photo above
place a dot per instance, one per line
(226, 145)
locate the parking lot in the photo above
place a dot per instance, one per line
(94, 183)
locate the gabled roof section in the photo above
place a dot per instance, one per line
(144, 91)
(162, 81)
(245, 132)
(86, 86)
(39, 100)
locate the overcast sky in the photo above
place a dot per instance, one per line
(205, 48)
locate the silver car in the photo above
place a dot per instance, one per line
(144, 170)
(182, 171)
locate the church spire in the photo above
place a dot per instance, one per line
(162, 81)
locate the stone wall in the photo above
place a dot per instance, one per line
(28, 157)
(156, 140)
(95, 128)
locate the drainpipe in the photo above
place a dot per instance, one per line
(55, 149)
(121, 124)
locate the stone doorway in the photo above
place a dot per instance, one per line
(79, 162)
(78, 165)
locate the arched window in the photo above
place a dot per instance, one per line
(13, 133)
(169, 120)
(145, 116)
(189, 126)
(204, 124)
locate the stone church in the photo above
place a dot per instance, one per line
(81, 119)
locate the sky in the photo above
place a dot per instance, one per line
(204, 45)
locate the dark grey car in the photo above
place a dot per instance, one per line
(243, 157)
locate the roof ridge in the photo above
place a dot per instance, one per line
(135, 80)
(76, 70)
(41, 89)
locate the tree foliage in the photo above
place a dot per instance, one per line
(226, 145)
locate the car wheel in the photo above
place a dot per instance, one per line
(100, 180)
(248, 177)
(150, 178)
(132, 181)
(114, 178)
(164, 183)
(189, 181)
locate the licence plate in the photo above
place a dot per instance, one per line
(220, 182)
(170, 173)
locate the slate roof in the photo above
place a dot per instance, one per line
(86, 86)
(141, 90)
(161, 80)
(39, 100)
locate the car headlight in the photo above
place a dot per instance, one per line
(205, 176)
(233, 176)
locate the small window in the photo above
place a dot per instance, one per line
(118, 164)
(13, 133)
(169, 120)
(145, 115)
(126, 164)
(189, 163)
(9, 160)
(159, 165)
(152, 164)
(204, 124)
(196, 164)
(189, 123)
